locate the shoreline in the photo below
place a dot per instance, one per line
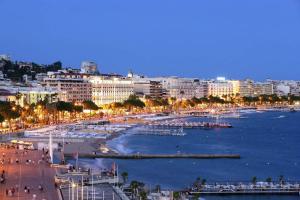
(101, 146)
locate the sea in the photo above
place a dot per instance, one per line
(268, 142)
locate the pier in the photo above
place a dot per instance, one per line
(180, 124)
(259, 188)
(159, 156)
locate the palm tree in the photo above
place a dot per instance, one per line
(90, 105)
(254, 180)
(197, 183)
(203, 182)
(269, 180)
(281, 179)
(125, 177)
(143, 195)
(18, 97)
(1, 120)
(134, 185)
(157, 188)
(176, 195)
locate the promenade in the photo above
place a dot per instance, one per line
(26, 175)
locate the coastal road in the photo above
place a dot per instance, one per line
(30, 174)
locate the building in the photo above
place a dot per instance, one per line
(243, 88)
(75, 86)
(220, 87)
(89, 67)
(143, 87)
(5, 57)
(107, 89)
(1, 76)
(34, 95)
(201, 89)
(6, 95)
(40, 77)
(286, 87)
(264, 88)
(179, 88)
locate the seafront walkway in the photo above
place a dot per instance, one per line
(25, 175)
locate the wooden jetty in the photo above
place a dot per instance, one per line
(159, 156)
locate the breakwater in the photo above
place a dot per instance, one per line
(159, 156)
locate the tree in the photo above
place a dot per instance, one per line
(62, 107)
(1, 118)
(281, 179)
(269, 180)
(203, 182)
(197, 182)
(125, 177)
(77, 109)
(176, 195)
(90, 105)
(133, 102)
(143, 195)
(157, 188)
(134, 187)
(254, 180)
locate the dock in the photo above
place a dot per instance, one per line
(180, 124)
(261, 188)
(159, 156)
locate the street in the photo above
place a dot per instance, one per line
(26, 175)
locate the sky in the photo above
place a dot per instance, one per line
(238, 39)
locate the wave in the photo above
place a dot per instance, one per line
(120, 144)
(280, 117)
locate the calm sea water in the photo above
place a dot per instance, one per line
(269, 144)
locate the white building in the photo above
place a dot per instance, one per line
(220, 87)
(107, 90)
(244, 88)
(34, 95)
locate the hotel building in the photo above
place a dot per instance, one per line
(75, 85)
(107, 89)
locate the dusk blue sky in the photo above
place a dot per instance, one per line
(194, 38)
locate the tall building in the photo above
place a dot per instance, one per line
(107, 89)
(76, 86)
